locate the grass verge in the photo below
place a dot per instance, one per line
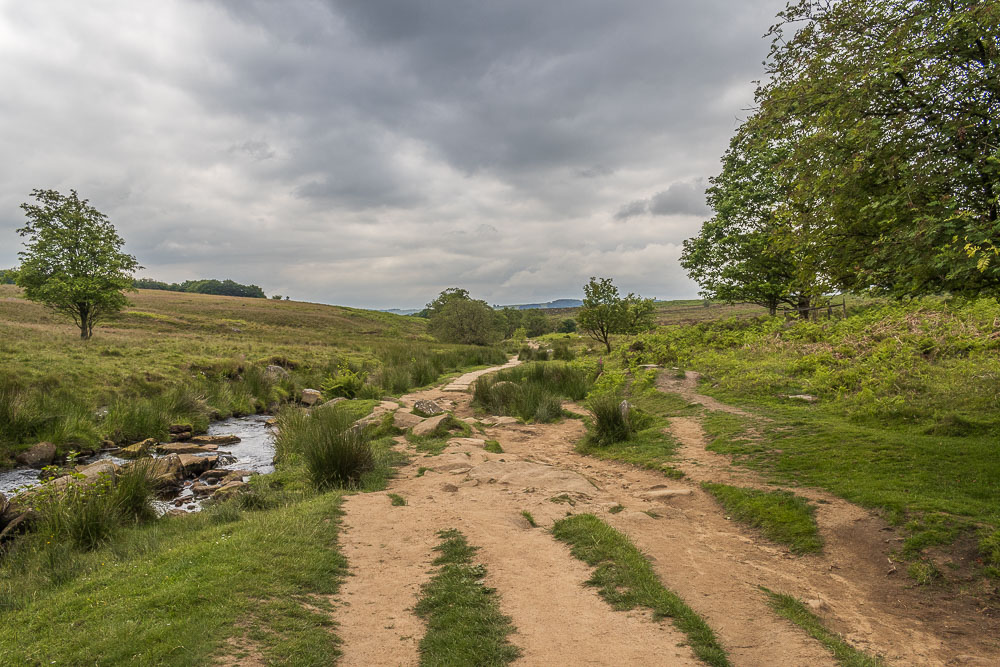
(464, 623)
(796, 612)
(781, 516)
(626, 580)
(180, 591)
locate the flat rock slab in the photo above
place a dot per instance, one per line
(186, 448)
(430, 426)
(215, 440)
(664, 494)
(536, 475)
(405, 420)
(467, 442)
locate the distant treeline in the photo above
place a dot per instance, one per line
(6, 276)
(220, 287)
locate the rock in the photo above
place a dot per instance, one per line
(16, 525)
(186, 448)
(270, 421)
(432, 425)
(499, 420)
(274, 373)
(138, 449)
(311, 396)
(388, 406)
(405, 420)
(215, 440)
(625, 408)
(467, 442)
(38, 456)
(180, 437)
(332, 402)
(92, 471)
(180, 428)
(166, 471)
(230, 488)
(808, 398)
(195, 465)
(425, 408)
(450, 488)
(816, 605)
(201, 489)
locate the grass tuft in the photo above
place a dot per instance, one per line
(464, 623)
(626, 580)
(781, 516)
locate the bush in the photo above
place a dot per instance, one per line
(611, 424)
(335, 453)
(531, 391)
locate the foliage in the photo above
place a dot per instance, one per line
(888, 110)
(336, 454)
(624, 577)
(464, 623)
(8, 276)
(567, 325)
(73, 261)
(531, 391)
(225, 287)
(346, 383)
(605, 312)
(456, 318)
(535, 323)
(780, 515)
(611, 421)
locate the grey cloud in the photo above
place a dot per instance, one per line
(373, 153)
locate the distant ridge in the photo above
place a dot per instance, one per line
(558, 303)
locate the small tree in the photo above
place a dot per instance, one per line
(457, 318)
(605, 312)
(73, 261)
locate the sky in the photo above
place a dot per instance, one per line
(372, 153)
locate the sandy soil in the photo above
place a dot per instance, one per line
(716, 565)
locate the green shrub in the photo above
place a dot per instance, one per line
(610, 424)
(336, 454)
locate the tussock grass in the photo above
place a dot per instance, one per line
(336, 454)
(796, 612)
(532, 392)
(464, 622)
(624, 577)
(781, 516)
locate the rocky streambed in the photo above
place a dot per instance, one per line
(187, 472)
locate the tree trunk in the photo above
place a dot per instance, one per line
(803, 306)
(86, 325)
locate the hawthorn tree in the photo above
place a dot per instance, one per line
(606, 312)
(455, 317)
(73, 260)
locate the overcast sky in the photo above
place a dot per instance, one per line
(374, 152)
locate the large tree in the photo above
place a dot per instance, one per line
(605, 312)
(455, 317)
(73, 260)
(892, 106)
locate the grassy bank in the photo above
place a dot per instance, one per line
(187, 358)
(902, 408)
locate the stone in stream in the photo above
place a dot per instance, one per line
(166, 471)
(138, 449)
(179, 428)
(180, 437)
(426, 408)
(195, 465)
(186, 448)
(38, 456)
(215, 439)
(311, 396)
(405, 420)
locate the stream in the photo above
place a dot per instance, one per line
(253, 453)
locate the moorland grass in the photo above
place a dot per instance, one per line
(464, 622)
(781, 516)
(624, 577)
(532, 391)
(174, 592)
(796, 612)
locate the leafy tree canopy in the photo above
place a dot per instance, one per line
(73, 260)
(457, 318)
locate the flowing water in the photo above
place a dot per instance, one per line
(253, 453)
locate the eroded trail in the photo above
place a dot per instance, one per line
(714, 564)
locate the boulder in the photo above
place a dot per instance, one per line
(405, 420)
(38, 456)
(194, 465)
(230, 488)
(807, 398)
(332, 402)
(180, 437)
(202, 489)
(92, 471)
(166, 471)
(433, 425)
(179, 428)
(138, 449)
(274, 373)
(426, 408)
(311, 396)
(215, 440)
(186, 448)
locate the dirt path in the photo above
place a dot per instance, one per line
(714, 564)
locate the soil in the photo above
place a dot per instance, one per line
(714, 564)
